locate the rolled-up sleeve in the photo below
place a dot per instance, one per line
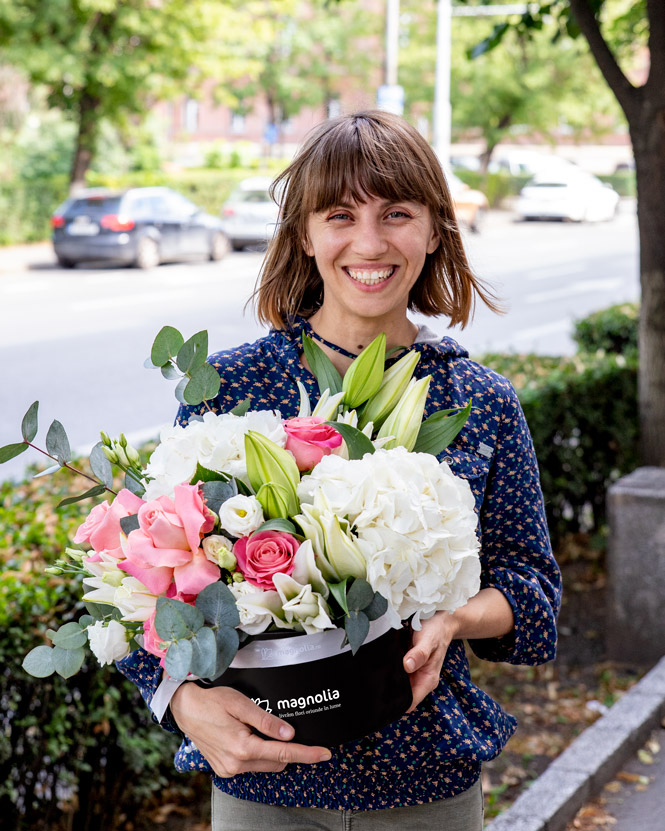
(516, 550)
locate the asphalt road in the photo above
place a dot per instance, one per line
(76, 340)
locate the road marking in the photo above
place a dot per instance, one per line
(129, 302)
(583, 287)
(547, 272)
(554, 328)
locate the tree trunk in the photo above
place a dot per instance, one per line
(88, 130)
(648, 137)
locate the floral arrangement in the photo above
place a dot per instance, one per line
(244, 523)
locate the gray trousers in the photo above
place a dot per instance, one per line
(463, 812)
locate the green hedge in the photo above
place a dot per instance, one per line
(495, 186)
(611, 330)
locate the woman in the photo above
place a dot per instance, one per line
(367, 232)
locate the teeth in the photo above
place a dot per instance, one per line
(370, 278)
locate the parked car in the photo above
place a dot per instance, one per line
(470, 205)
(138, 226)
(249, 215)
(576, 196)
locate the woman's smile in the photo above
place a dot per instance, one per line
(370, 276)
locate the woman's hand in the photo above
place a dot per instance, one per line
(219, 720)
(428, 650)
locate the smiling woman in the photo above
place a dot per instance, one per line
(367, 233)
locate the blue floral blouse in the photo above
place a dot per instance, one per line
(436, 751)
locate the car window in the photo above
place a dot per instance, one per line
(94, 206)
(140, 207)
(178, 206)
(252, 196)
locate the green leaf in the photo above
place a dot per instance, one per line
(67, 662)
(202, 474)
(85, 621)
(100, 465)
(278, 524)
(70, 636)
(170, 372)
(203, 385)
(11, 451)
(357, 629)
(193, 353)
(204, 653)
(57, 442)
(96, 610)
(322, 367)
(217, 605)
(129, 524)
(180, 389)
(356, 441)
(359, 595)
(166, 345)
(178, 659)
(228, 641)
(175, 619)
(29, 425)
(377, 608)
(47, 471)
(133, 485)
(215, 493)
(241, 408)
(338, 591)
(39, 662)
(96, 491)
(438, 431)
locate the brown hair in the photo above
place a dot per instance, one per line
(371, 153)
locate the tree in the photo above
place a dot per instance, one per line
(627, 40)
(113, 59)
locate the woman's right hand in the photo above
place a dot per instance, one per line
(219, 720)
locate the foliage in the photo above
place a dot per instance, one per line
(496, 186)
(611, 330)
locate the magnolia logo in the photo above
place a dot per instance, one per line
(307, 700)
(264, 703)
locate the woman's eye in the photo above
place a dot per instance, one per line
(340, 215)
(398, 214)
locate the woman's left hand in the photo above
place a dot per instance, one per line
(428, 650)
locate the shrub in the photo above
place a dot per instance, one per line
(495, 186)
(611, 330)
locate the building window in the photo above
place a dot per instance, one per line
(191, 115)
(237, 123)
(334, 108)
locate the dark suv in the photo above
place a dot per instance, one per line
(139, 226)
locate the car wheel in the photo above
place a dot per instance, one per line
(219, 246)
(65, 262)
(147, 253)
(237, 246)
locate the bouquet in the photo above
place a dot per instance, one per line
(246, 525)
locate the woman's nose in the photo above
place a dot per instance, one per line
(370, 239)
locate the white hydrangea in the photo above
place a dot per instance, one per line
(216, 443)
(415, 523)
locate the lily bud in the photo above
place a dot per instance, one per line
(274, 500)
(105, 438)
(268, 463)
(393, 386)
(403, 424)
(342, 552)
(121, 456)
(132, 454)
(122, 440)
(363, 378)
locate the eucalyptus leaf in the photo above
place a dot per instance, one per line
(57, 442)
(129, 524)
(70, 636)
(241, 408)
(359, 595)
(97, 490)
(193, 353)
(356, 442)
(11, 451)
(178, 659)
(133, 485)
(217, 605)
(100, 465)
(166, 345)
(39, 662)
(67, 662)
(357, 629)
(46, 472)
(228, 641)
(170, 372)
(175, 619)
(29, 425)
(338, 591)
(204, 653)
(215, 493)
(377, 608)
(180, 390)
(85, 621)
(439, 430)
(323, 369)
(203, 385)
(95, 610)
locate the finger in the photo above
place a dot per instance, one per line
(416, 658)
(246, 711)
(286, 754)
(422, 684)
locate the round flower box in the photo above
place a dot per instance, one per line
(327, 694)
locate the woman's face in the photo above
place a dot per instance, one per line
(369, 255)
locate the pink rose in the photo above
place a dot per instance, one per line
(166, 545)
(102, 526)
(263, 554)
(310, 439)
(151, 639)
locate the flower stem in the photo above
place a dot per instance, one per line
(69, 467)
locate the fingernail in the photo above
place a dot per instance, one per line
(325, 757)
(409, 664)
(285, 731)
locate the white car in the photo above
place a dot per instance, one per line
(249, 216)
(575, 196)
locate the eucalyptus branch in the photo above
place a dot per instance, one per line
(71, 468)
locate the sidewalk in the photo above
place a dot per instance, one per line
(601, 752)
(24, 257)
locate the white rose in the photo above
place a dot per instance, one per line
(257, 609)
(240, 515)
(219, 550)
(109, 642)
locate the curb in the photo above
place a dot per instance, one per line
(17, 258)
(581, 771)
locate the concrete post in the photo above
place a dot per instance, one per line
(636, 567)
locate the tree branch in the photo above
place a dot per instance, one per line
(624, 91)
(656, 82)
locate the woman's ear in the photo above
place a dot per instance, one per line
(434, 240)
(307, 247)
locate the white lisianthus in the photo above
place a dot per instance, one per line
(116, 588)
(240, 515)
(216, 442)
(219, 550)
(415, 524)
(303, 608)
(257, 609)
(108, 642)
